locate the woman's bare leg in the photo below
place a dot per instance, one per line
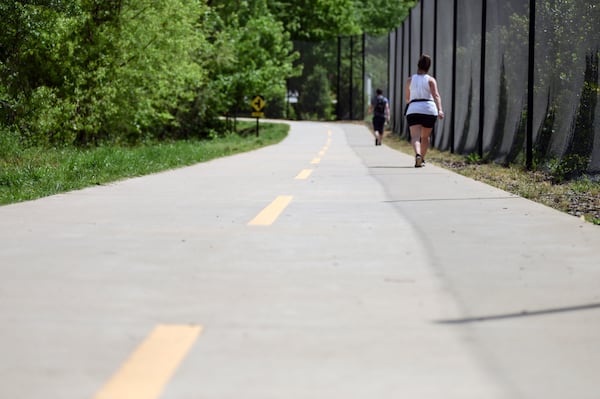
(425, 134)
(415, 138)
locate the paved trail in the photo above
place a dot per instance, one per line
(322, 267)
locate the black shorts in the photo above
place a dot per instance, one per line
(378, 123)
(421, 119)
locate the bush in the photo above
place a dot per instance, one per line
(47, 119)
(569, 167)
(10, 146)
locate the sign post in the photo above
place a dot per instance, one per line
(258, 104)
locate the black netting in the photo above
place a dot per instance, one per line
(312, 95)
(468, 57)
(415, 40)
(331, 85)
(377, 66)
(396, 76)
(505, 86)
(484, 83)
(442, 64)
(351, 92)
(428, 29)
(566, 96)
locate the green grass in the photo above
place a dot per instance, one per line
(38, 172)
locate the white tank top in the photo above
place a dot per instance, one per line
(419, 90)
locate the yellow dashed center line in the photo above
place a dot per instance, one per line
(304, 174)
(268, 215)
(147, 371)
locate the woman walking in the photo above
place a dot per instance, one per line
(424, 108)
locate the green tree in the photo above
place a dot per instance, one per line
(321, 30)
(253, 55)
(316, 20)
(84, 71)
(31, 71)
(141, 66)
(316, 98)
(97, 70)
(378, 17)
(312, 20)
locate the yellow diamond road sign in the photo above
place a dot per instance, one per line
(258, 103)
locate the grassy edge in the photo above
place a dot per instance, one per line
(580, 198)
(39, 172)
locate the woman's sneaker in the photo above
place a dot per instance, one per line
(418, 161)
(378, 138)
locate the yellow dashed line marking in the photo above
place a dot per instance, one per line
(148, 370)
(304, 174)
(268, 215)
(315, 161)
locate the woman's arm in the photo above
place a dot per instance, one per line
(436, 96)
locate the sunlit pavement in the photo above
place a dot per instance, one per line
(322, 267)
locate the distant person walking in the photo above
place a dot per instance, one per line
(380, 108)
(424, 108)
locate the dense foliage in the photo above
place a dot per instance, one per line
(83, 72)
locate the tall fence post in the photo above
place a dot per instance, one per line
(454, 48)
(392, 89)
(530, 84)
(435, 59)
(421, 27)
(410, 38)
(409, 52)
(363, 96)
(402, 79)
(351, 80)
(482, 79)
(435, 30)
(338, 104)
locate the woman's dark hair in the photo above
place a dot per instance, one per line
(424, 63)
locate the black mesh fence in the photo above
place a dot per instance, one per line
(338, 77)
(331, 85)
(481, 60)
(377, 67)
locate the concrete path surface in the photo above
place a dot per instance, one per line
(321, 267)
